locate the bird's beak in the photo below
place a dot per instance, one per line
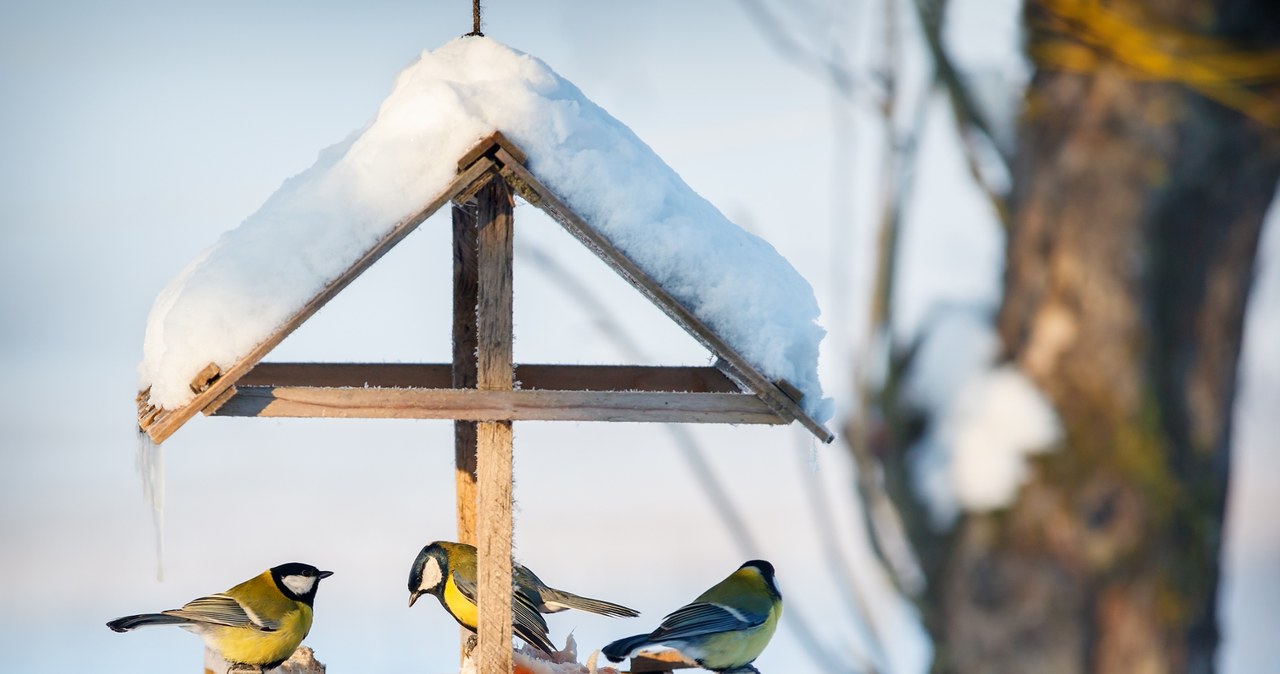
(325, 574)
(413, 596)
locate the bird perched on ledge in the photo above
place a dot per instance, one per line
(255, 625)
(724, 630)
(448, 571)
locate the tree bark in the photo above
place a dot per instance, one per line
(1137, 206)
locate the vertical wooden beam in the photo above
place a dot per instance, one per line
(465, 284)
(494, 371)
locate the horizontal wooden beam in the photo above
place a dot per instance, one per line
(529, 377)
(479, 405)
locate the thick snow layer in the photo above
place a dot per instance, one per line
(231, 297)
(985, 420)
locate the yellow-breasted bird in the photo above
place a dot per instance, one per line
(254, 625)
(725, 629)
(448, 571)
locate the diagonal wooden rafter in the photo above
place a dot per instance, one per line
(780, 395)
(211, 386)
(732, 392)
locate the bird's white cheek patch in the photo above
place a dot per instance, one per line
(431, 575)
(299, 585)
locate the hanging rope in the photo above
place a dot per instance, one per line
(475, 19)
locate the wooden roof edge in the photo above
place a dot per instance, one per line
(778, 389)
(494, 152)
(487, 147)
(534, 191)
(160, 423)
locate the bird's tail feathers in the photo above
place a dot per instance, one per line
(559, 600)
(535, 638)
(130, 622)
(622, 648)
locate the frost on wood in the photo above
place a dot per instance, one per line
(258, 275)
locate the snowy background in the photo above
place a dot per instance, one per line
(133, 135)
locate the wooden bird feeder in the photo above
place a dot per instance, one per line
(478, 389)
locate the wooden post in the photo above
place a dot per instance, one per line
(465, 283)
(494, 372)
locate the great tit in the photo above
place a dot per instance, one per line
(255, 625)
(448, 571)
(724, 629)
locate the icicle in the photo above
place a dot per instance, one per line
(807, 440)
(149, 462)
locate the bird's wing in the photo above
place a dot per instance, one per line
(221, 609)
(527, 623)
(467, 586)
(525, 577)
(704, 618)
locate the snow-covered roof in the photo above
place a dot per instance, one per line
(264, 272)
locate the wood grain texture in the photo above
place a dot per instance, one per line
(493, 545)
(686, 379)
(494, 372)
(476, 405)
(462, 373)
(659, 663)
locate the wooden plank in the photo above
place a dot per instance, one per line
(205, 377)
(494, 372)
(462, 372)
(788, 388)
(624, 378)
(468, 195)
(494, 366)
(687, 379)
(658, 662)
(487, 146)
(363, 375)
(738, 367)
(474, 405)
(493, 546)
(164, 425)
(213, 406)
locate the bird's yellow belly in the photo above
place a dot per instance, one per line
(462, 609)
(737, 648)
(253, 647)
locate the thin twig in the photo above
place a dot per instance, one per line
(832, 68)
(888, 535)
(970, 122)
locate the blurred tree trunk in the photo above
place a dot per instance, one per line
(1136, 211)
